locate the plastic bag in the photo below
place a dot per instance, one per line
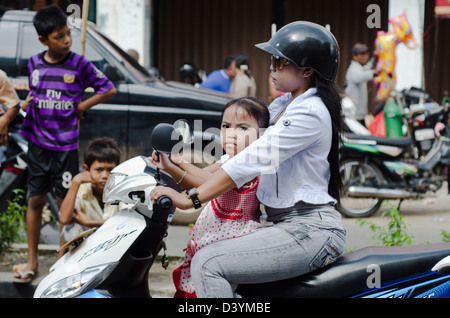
(378, 126)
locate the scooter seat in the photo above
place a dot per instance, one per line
(402, 142)
(349, 275)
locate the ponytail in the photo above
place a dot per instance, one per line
(327, 91)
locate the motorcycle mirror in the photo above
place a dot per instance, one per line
(165, 137)
(185, 131)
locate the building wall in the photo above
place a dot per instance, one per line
(206, 32)
(409, 66)
(436, 53)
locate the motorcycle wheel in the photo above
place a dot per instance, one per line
(356, 172)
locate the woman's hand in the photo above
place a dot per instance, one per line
(179, 200)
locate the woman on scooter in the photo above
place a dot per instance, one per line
(297, 159)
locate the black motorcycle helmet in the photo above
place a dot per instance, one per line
(190, 72)
(307, 45)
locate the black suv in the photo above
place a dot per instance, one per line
(143, 99)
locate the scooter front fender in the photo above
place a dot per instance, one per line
(107, 245)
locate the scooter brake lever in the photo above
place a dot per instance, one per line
(134, 206)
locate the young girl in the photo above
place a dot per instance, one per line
(303, 185)
(234, 213)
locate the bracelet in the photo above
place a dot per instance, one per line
(182, 178)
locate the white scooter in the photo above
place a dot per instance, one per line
(114, 261)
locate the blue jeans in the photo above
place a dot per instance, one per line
(303, 238)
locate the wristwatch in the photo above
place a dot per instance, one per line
(193, 195)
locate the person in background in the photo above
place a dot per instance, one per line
(83, 206)
(220, 80)
(190, 74)
(243, 84)
(134, 54)
(10, 100)
(58, 79)
(358, 74)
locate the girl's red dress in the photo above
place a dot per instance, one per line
(230, 215)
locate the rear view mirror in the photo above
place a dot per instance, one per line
(185, 131)
(165, 137)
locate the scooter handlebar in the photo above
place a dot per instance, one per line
(431, 116)
(164, 202)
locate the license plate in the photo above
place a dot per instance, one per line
(424, 134)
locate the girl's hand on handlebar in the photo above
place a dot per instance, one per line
(179, 200)
(160, 160)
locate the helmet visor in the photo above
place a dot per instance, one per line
(269, 48)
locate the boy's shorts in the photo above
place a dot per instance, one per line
(50, 170)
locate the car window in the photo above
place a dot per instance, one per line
(31, 45)
(91, 53)
(8, 47)
(132, 65)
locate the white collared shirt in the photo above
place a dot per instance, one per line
(291, 156)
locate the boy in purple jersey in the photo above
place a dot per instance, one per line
(57, 80)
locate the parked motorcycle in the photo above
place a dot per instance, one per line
(416, 107)
(374, 169)
(419, 117)
(352, 125)
(114, 261)
(14, 172)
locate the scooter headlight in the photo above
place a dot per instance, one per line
(113, 180)
(79, 283)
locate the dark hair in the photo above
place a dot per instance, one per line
(254, 107)
(48, 20)
(242, 59)
(102, 149)
(330, 97)
(228, 61)
(359, 48)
